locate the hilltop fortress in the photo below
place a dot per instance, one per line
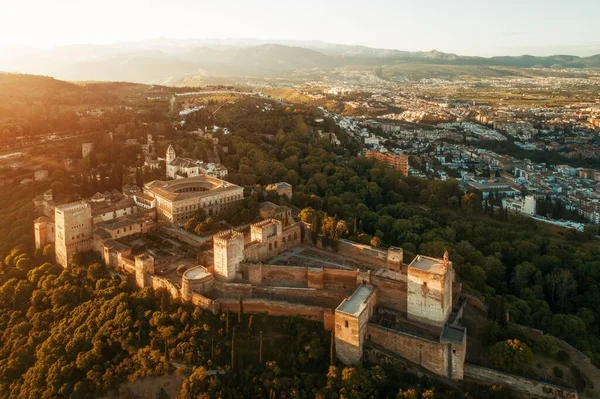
(367, 296)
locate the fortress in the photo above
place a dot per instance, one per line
(367, 296)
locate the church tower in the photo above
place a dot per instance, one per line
(170, 154)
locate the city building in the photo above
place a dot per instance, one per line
(397, 162)
(525, 205)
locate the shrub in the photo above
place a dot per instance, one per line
(547, 345)
(512, 356)
(563, 356)
(557, 371)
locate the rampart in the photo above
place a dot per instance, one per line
(391, 293)
(518, 384)
(267, 306)
(440, 357)
(300, 276)
(159, 283)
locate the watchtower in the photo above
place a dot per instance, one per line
(229, 253)
(144, 268)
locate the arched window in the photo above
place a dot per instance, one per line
(295, 235)
(275, 244)
(270, 247)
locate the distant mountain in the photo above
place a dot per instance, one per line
(164, 60)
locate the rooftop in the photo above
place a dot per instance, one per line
(196, 273)
(428, 264)
(357, 301)
(190, 187)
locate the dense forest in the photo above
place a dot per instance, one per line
(80, 332)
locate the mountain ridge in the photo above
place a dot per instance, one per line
(165, 59)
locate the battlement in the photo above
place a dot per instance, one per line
(266, 222)
(265, 230)
(73, 206)
(226, 236)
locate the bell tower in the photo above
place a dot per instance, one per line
(170, 157)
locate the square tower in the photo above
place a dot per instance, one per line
(73, 227)
(144, 268)
(43, 229)
(265, 230)
(351, 320)
(395, 256)
(429, 296)
(228, 253)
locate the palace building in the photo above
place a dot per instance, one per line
(176, 201)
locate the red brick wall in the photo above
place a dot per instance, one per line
(390, 293)
(339, 279)
(428, 354)
(274, 308)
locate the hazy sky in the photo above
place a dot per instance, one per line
(472, 27)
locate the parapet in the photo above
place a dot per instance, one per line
(227, 236)
(265, 230)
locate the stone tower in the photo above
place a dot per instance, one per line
(395, 256)
(170, 157)
(229, 253)
(73, 228)
(144, 268)
(43, 229)
(86, 149)
(429, 289)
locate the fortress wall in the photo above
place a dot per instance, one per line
(326, 298)
(159, 283)
(203, 302)
(282, 276)
(428, 354)
(328, 320)
(184, 236)
(314, 277)
(518, 384)
(300, 277)
(233, 290)
(390, 293)
(339, 279)
(274, 308)
(371, 257)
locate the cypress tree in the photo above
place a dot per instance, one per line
(233, 348)
(260, 344)
(227, 322)
(240, 310)
(332, 349)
